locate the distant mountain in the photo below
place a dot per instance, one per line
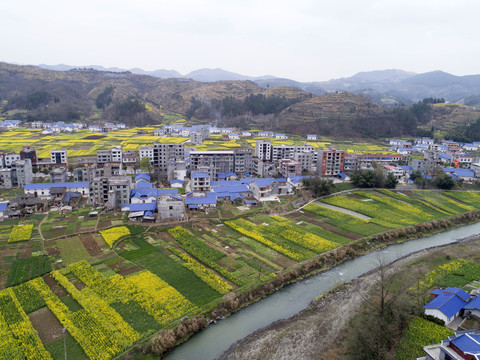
(32, 93)
(385, 87)
(210, 75)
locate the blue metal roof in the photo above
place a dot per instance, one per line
(405, 168)
(146, 193)
(231, 189)
(149, 213)
(444, 156)
(142, 207)
(297, 179)
(462, 294)
(142, 176)
(50, 185)
(250, 201)
(460, 172)
(342, 175)
(210, 198)
(473, 304)
(142, 184)
(176, 181)
(468, 344)
(200, 174)
(227, 174)
(263, 182)
(3, 206)
(448, 304)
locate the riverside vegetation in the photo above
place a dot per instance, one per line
(125, 290)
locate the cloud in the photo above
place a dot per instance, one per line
(304, 40)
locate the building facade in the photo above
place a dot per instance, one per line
(330, 162)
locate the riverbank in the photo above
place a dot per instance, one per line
(288, 301)
(316, 331)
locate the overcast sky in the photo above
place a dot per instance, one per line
(305, 40)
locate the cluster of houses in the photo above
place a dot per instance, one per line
(452, 157)
(452, 305)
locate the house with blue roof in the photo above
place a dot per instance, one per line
(176, 183)
(447, 304)
(201, 202)
(140, 211)
(201, 182)
(10, 124)
(463, 174)
(145, 177)
(462, 345)
(142, 184)
(232, 193)
(149, 195)
(229, 175)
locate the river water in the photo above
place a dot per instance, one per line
(213, 341)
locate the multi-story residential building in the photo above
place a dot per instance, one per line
(381, 159)
(282, 152)
(111, 156)
(88, 173)
(59, 175)
(289, 167)
(59, 157)
(305, 159)
(29, 152)
(177, 169)
(110, 191)
(462, 158)
(330, 162)
(243, 161)
(263, 149)
(352, 163)
(6, 178)
(22, 172)
(196, 138)
(144, 151)
(18, 175)
(218, 162)
(129, 157)
(426, 166)
(9, 159)
(201, 182)
(164, 154)
(170, 207)
(214, 162)
(37, 125)
(263, 168)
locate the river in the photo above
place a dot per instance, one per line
(213, 341)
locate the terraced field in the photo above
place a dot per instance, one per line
(85, 143)
(113, 290)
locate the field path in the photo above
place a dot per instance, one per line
(345, 211)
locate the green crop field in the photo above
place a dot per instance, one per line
(150, 279)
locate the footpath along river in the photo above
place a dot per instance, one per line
(213, 341)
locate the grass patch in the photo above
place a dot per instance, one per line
(72, 250)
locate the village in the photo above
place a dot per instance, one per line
(160, 182)
(229, 220)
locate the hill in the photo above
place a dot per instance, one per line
(344, 114)
(32, 93)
